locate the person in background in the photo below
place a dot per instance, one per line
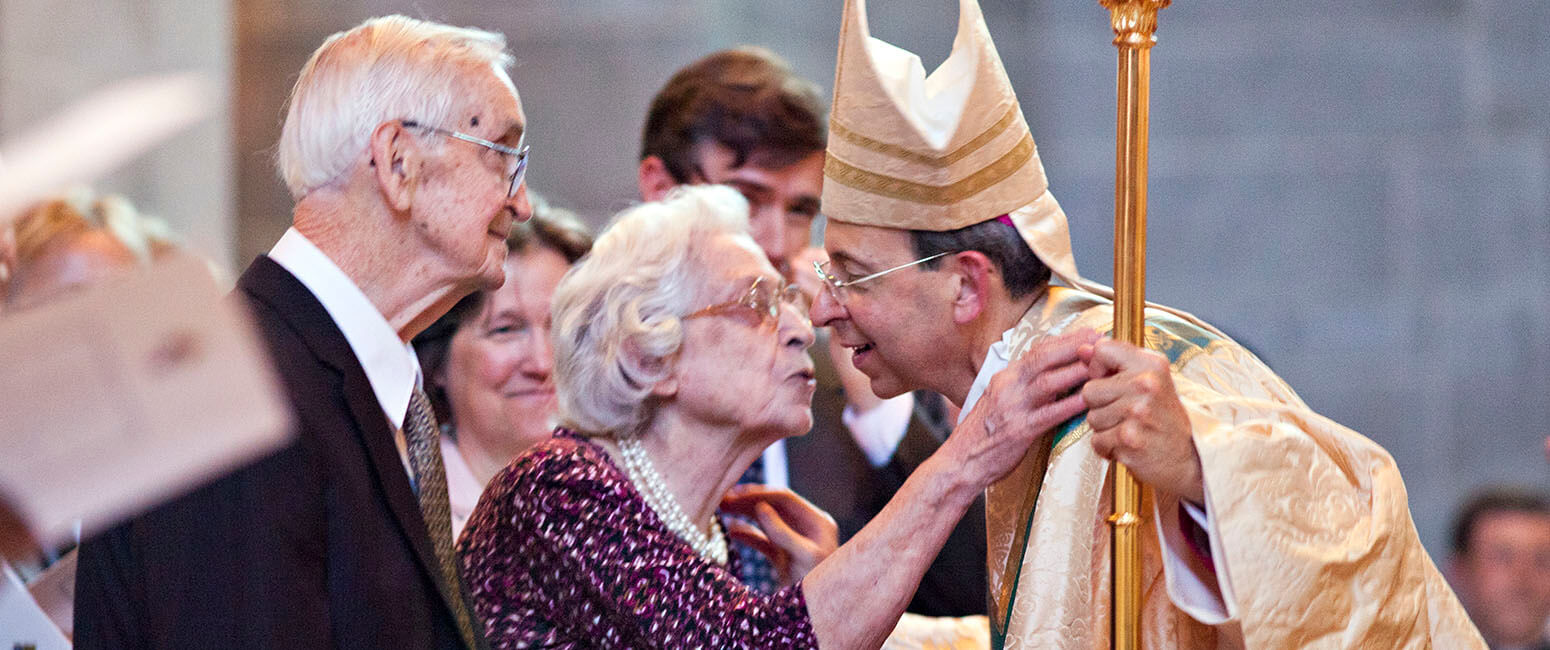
(403, 149)
(1501, 566)
(488, 363)
(741, 117)
(57, 247)
(680, 355)
(75, 241)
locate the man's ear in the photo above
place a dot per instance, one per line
(395, 164)
(974, 273)
(654, 179)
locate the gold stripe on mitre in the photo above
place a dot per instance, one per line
(988, 176)
(839, 130)
(942, 195)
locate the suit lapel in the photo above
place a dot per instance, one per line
(267, 282)
(387, 466)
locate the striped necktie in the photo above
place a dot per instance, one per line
(424, 440)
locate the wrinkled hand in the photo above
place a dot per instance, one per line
(1024, 402)
(1137, 418)
(795, 534)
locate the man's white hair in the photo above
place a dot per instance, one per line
(384, 69)
(617, 314)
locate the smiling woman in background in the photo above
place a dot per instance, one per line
(487, 363)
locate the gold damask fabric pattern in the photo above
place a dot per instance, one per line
(1313, 537)
(916, 632)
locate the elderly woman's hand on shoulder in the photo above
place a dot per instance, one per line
(1026, 401)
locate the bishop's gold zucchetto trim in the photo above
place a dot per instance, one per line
(936, 152)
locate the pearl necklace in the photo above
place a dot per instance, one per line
(644, 475)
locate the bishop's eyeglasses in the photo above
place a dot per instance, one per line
(837, 285)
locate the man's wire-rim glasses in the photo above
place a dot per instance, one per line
(519, 153)
(837, 286)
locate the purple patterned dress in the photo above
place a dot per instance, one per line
(562, 552)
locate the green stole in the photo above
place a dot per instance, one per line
(1179, 341)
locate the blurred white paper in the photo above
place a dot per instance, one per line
(97, 135)
(22, 623)
(54, 592)
(127, 394)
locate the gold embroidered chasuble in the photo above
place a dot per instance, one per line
(1313, 542)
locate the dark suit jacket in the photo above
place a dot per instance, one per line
(319, 545)
(829, 468)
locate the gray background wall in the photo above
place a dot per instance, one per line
(1356, 190)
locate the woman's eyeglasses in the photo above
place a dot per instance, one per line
(762, 301)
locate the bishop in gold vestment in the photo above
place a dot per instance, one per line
(1270, 525)
(1309, 541)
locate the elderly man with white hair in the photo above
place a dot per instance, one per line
(403, 150)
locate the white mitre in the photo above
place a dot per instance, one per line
(942, 151)
(936, 152)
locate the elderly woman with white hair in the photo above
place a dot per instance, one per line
(679, 357)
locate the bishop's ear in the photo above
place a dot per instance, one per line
(975, 276)
(394, 159)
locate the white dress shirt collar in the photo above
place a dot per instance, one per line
(880, 429)
(390, 364)
(995, 361)
(998, 357)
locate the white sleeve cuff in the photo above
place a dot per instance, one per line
(1192, 585)
(879, 430)
(1199, 514)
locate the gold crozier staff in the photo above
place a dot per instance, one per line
(1135, 26)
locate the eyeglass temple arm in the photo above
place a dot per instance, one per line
(905, 265)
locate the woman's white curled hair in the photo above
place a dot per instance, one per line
(617, 313)
(384, 69)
